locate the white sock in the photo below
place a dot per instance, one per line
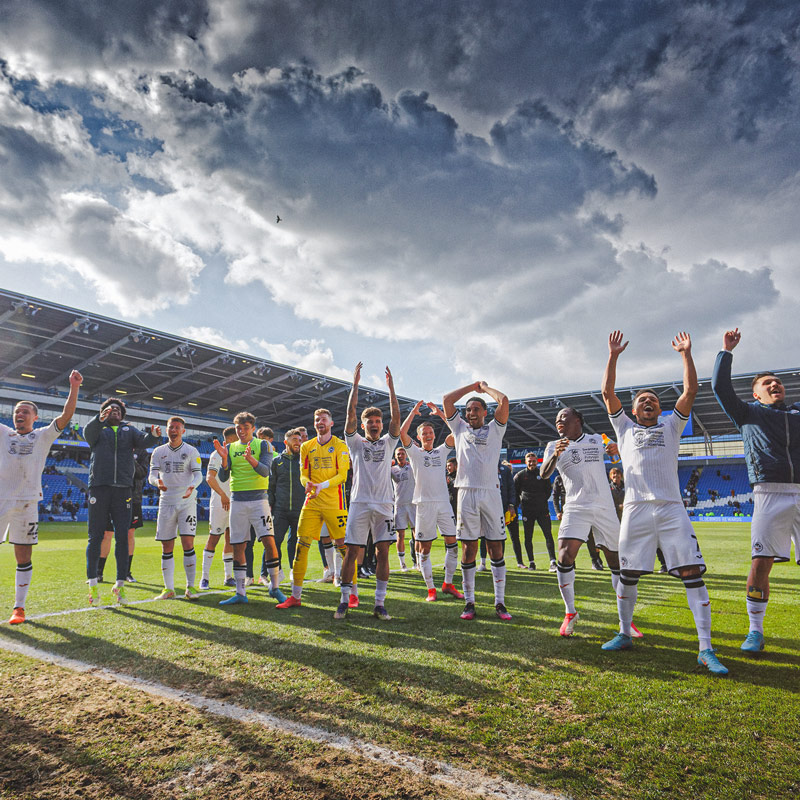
(700, 605)
(566, 585)
(273, 568)
(380, 592)
(240, 575)
(626, 601)
(468, 581)
(499, 575)
(208, 558)
(92, 581)
(401, 555)
(346, 591)
(168, 571)
(426, 568)
(756, 609)
(24, 575)
(615, 580)
(190, 566)
(333, 554)
(297, 591)
(450, 562)
(227, 563)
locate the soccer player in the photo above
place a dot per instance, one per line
(404, 517)
(23, 452)
(219, 516)
(371, 509)
(533, 492)
(480, 507)
(247, 463)
(176, 472)
(653, 513)
(771, 436)
(324, 462)
(111, 476)
(432, 499)
(588, 505)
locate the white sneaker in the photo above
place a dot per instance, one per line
(248, 581)
(337, 581)
(481, 567)
(327, 576)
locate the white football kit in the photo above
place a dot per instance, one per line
(371, 498)
(431, 498)
(480, 506)
(22, 460)
(653, 514)
(218, 517)
(403, 478)
(178, 468)
(588, 503)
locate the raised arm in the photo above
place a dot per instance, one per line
(721, 382)
(351, 425)
(451, 398)
(394, 420)
(682, 343)
(501, 412)
(551, 457)
(406, 426)
(615, 348)
(450, 440)
(75, 381)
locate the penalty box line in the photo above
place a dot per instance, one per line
(441, 772)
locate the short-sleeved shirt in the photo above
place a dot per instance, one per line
(582, 469)
(178, 468)
(430, 473)
(477, 451)
(22, 460)
(215, 464)
(403, 478)
(372, 468)
(650, 456)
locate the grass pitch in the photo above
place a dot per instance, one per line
(513, 699)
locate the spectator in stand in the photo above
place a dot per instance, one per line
(533, 492)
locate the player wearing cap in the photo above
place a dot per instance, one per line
(371, 507)
(432, 499)
(175, 470)
(23, 452)
(653, 513)
(480, 508)
(588, 505)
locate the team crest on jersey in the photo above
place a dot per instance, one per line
(330, 449)
(92, 501)
(126, 428)
(184, 456)
(575, 456)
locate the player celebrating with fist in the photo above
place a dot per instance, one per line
(23, 452)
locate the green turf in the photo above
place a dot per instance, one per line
(513, 698)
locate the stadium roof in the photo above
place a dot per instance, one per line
(40, 342)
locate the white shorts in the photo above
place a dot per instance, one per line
(218, 519)
(365, 517)
(577, 522)
(19, 519)
(245, 513)
(480, 515)
(433, 515)
(174, 521)
(652, 524)
(404, 517)
(775, 515)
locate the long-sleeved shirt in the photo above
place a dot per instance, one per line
(112, 449)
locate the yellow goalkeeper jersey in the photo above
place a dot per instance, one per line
(325, 462)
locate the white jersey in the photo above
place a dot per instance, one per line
(478, 453)
(178, 468)
(22, 459)
(215, 463)
(430, 473)
(650, 457)
(403, 478)
(583, 471)
(372, 468)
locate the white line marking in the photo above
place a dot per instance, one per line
(438, 771)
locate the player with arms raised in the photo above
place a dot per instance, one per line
(23, 452)
(371, 498)
(653, 513)
(480, 507)
(432, 499)
(175, 470)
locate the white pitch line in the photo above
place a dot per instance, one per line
(438, 771)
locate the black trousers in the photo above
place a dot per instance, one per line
(283, 521)
(114, 503)
(531, 514)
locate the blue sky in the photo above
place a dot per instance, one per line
(467, 190)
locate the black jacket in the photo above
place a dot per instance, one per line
(286, 493)
(112, 452)
(532, 488)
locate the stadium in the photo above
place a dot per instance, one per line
(171, 698)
